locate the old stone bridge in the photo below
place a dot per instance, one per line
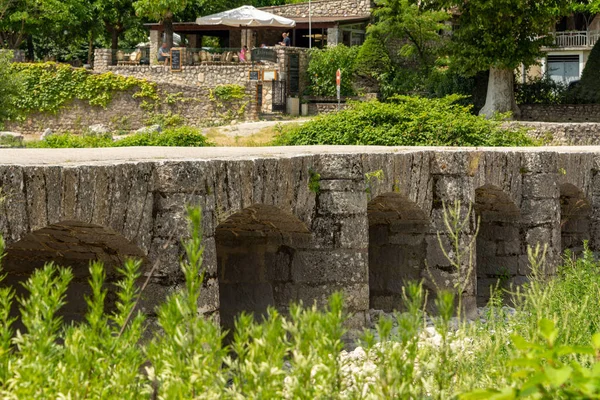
(288, 224)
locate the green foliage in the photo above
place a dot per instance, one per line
(542, 90)
(415, 25)
(322, 66)
(228, 92)
(11, 88)
(314, 181)
(587, 90)
(167, 120)
(549, 349)
(50, 86)
(373, 60)
(67, 140)
(502, 34)
(181, 137)
(406, 121)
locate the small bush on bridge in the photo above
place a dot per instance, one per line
(406, 121)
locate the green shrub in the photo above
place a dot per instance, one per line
(182, 136)
(68, 140)
(372, 61)
(11, 88)
(405, 121)
(322, 66)
(542, 90)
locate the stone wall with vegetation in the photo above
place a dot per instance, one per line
(125, 112)
(560, 112)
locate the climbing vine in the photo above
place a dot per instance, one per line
(50, 86)
(224, 96)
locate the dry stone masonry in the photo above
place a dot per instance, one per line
(297, 224)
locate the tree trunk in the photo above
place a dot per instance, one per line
(168, 26)
(500, 96)
(90, 55)
(114, 36)
(30, 49)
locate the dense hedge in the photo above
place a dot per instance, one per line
(49, 86)
(405, 121)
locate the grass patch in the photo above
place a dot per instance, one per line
(264, 137)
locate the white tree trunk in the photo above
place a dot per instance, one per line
(500, 96)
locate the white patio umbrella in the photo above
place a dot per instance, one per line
(246, 16)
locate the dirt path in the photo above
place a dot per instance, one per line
(257, 133)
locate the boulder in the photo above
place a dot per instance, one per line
(98, 129)
(47, 132)
(149, 129)
(11, 135)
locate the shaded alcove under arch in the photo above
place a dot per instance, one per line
(498, 246)
(71, 244)
(575, 212)
(256, 252)
(397, 248)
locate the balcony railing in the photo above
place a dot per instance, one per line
(585, 39)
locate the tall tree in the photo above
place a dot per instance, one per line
(412, 23)
(117, 16)
(23, 19)
(499, 35)
(164, 11)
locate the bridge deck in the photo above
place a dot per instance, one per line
(128, 154)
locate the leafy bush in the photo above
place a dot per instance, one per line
(11, 87)
(182, 136)
(372, 61)
(405, 121)
(49, 86)
(322, 66)
(542, 90)
(68, 140)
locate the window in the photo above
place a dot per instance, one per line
(563, 68)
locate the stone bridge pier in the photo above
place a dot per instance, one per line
(284, 225)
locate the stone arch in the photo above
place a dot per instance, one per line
(498, 246)
(71, 244)
(256, 251)
(397, 248)
(575, 215)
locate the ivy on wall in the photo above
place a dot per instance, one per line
(50, 86)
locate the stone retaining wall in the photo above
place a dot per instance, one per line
(125, 113)
(206, 76)
(562, 134)
(560, 112)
